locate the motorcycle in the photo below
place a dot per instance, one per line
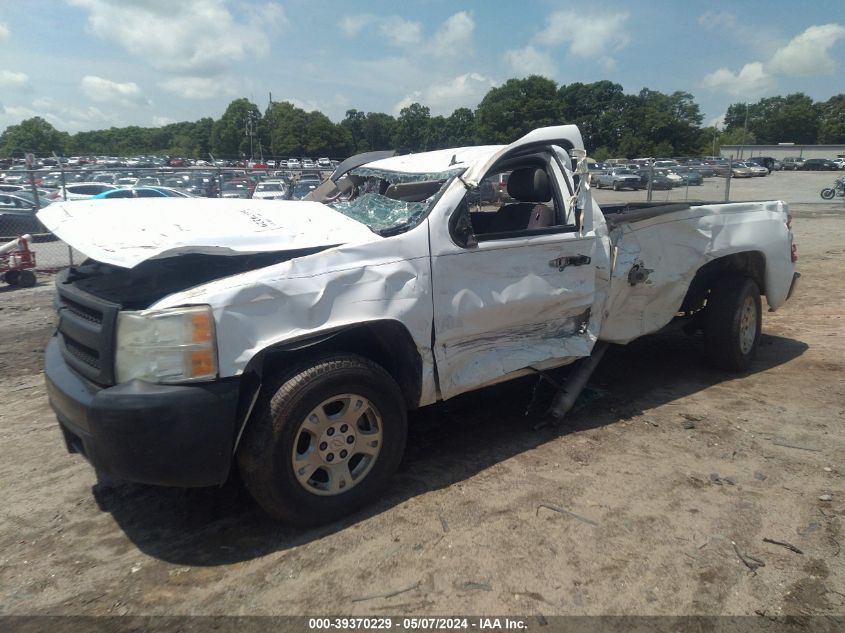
(838, 189)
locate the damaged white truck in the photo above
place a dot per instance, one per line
(289, 339)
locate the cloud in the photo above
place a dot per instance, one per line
(189, 36)
(399, 31)
(724, 19)
(444, 97)
(530, 61)
(351, 25)
(806, 54)
(586, 35)
(454, 36)
(13, 80)
(4, 31)
(161, 121)
(751, 81)
(106, 91)
(67, 117)
(809, 52)
(200, 87)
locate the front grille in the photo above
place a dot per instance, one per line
(83, 312)
(86, 331)
(85, 354)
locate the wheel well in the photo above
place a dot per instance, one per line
(386, 343)
(748, 263)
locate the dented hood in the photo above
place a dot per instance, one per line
(126, 232)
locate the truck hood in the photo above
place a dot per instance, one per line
(126, 232)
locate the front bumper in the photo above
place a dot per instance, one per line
(795, 278)
(168, 435)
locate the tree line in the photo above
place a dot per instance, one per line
(613, 124)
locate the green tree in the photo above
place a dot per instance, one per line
(412, 128)
(33, 135)
(832, 120)
(515, 108)
(460, 128)
(228, 135)
(598, 109)
(378, 131)
(287, 126)
(354, 124)
(736, 136)
(790, 119)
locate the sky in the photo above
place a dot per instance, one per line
(93, 64)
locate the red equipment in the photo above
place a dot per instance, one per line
(16, 260)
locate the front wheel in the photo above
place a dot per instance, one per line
(827, 193)
(324, 440)
(733, 322)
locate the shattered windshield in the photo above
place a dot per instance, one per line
(387, 201)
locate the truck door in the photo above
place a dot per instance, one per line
(514, 275)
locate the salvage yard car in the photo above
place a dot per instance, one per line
(289, 339)
(618, 179)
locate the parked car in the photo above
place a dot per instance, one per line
(233, 189)
(485, 194)
(792, 163)
(819, 164)
(757, 170)
(618, 179)
(271, 190)
(81, 190)
(334, 319)
(302, 189)
(17, 217)
(741, 170)
(688, 176)
(659, 180)
(143, 192)
(764, 161)
(293, 163)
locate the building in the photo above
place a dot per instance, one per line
(783, 150)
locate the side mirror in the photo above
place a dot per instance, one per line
(464, 235)
(460, 227)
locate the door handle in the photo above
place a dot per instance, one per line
(574, 260)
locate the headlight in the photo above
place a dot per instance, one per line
(166, 346)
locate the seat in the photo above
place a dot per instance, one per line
(530, 187)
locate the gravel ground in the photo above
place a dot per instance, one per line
(646, 501)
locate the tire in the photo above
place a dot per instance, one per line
(616, 186)
(733, 322)
(26, 279)
(11, 277)
(827, 193)
(321, 392)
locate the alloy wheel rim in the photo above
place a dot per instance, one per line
(337, 444)
(748, 325)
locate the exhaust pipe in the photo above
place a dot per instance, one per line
(575, 382)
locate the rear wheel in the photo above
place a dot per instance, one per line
(11, 277)
(26, 279)
(733, 323)
(324, 440)
(616, 186)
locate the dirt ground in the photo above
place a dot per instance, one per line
(669, 474)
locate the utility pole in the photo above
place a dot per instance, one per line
(249, 130)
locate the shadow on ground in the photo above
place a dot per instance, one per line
(217, 526)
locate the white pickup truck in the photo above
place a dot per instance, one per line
(290, 338)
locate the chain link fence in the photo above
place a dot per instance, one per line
(23, 191)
